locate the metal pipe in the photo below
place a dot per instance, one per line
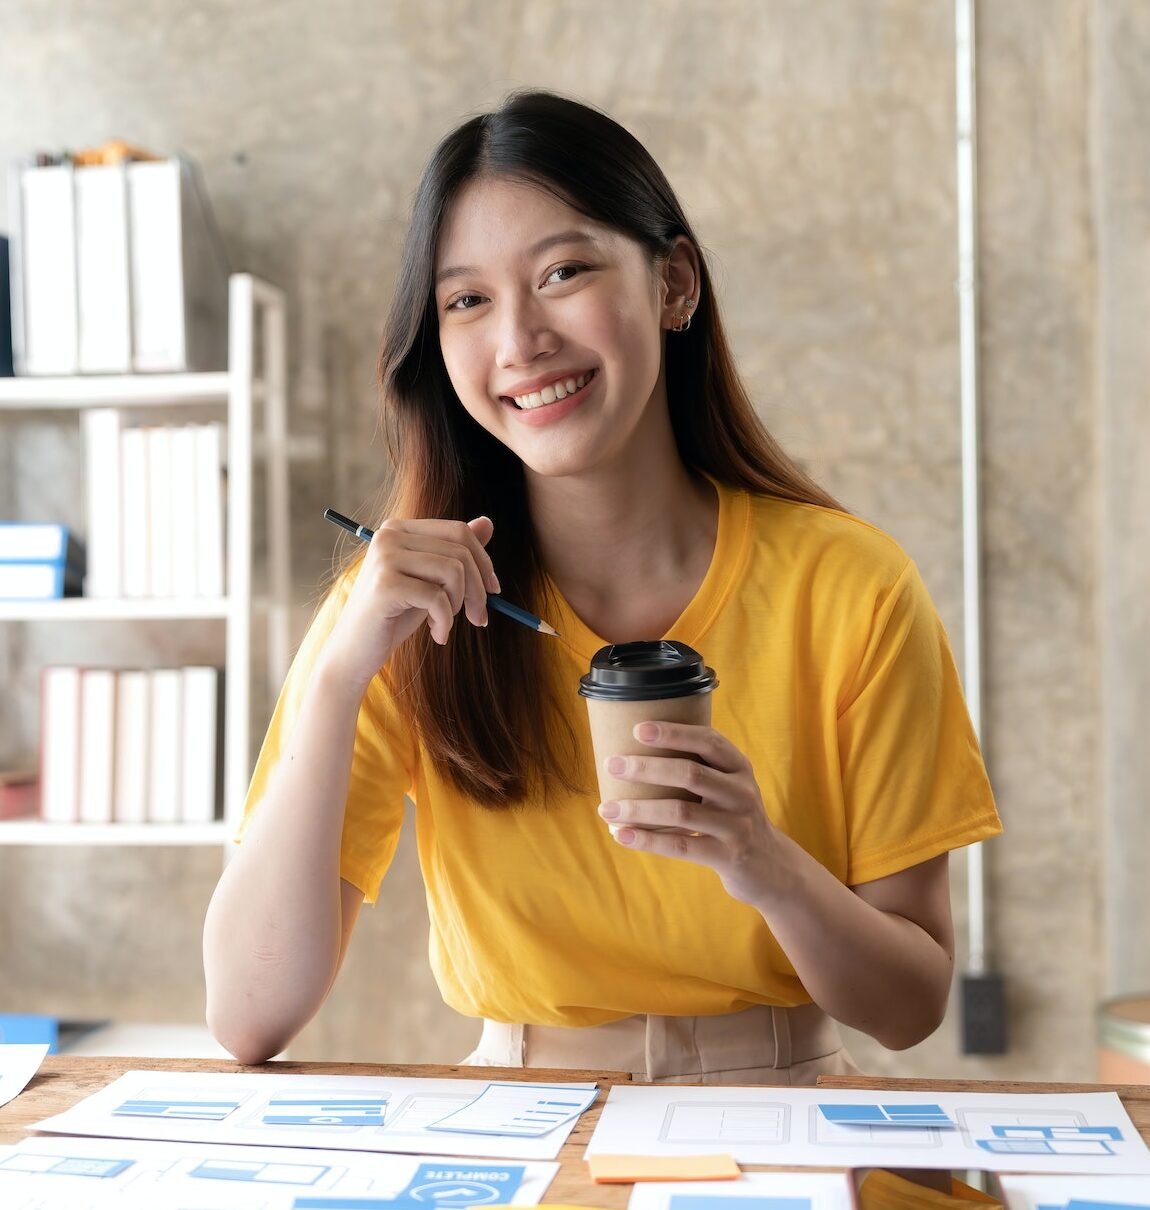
(965, 66)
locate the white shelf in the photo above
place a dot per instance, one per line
(96, 390)
(34, 831)
(255, 324)
(94, 609)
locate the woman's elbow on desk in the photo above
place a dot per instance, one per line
(255, 1014)
(246, 1042)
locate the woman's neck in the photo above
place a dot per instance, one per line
(627, 547)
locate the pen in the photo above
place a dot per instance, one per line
(495, 602)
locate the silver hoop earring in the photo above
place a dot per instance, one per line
(682, 321)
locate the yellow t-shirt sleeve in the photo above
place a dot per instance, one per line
(914, 784)
(383, 760)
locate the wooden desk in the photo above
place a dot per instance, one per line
(63, 1080)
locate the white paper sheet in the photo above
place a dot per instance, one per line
(1032, 1192)
(753, 1191)
(75, 1173)
(336, 1112)
(515, 1108)
(1038, 1132)
(19, 1062)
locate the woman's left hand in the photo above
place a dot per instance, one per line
(727, 830)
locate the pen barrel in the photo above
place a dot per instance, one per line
(513, 611)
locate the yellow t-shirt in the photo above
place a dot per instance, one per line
(835, 678)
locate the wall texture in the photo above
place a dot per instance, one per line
(813, 144)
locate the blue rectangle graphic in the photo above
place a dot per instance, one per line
(260, 1172)
(318, 1110)
(210, 1111)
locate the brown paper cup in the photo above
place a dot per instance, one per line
(612, 734)
(632, 683)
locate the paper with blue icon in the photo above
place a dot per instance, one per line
(58, 1173)
(366, 1113)
(1038, 1132)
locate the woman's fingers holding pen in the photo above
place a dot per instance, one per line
(436, 566)
(414, 573)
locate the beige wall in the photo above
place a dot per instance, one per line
(813, 143)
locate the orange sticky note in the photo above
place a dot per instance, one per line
(623, 1169)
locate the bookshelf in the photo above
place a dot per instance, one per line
(240, 395)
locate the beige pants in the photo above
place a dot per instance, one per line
(759, 1045)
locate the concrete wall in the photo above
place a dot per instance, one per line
(813, 144)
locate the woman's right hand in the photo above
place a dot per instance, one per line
(413, 572)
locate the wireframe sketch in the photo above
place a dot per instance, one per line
(259, 1172)
(898, 1114)
(1052, 1140)
(324, 1109)
(63, 1165)
(201, 1106)
(421, 1109)
(824, 1133)
(726, 1122)
(1036, 1132)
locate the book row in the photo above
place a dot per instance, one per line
(155, 508)
(131, 746)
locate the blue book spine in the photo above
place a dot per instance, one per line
(40, 542)
(31, 580)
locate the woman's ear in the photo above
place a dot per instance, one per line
(683, 281)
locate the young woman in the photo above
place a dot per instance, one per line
(570, 431)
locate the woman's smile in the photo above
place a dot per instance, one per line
(552, 401)
(534, 395)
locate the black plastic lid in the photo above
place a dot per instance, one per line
(646, 671)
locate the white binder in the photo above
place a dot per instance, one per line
(43, 271)
(105, 312)
(179, 274)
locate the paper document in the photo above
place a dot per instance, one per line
(354, 1113)
(1075, 1192)
(19, 1062)
(523, 1110)
(71, 1173)
(752, 1191)
(1038, 1132)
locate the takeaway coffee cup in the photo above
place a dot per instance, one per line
(630, 683)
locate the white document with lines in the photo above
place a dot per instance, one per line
(353, 1113)
(59, 1173)
(848, 1128)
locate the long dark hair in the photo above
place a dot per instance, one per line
(483, 706)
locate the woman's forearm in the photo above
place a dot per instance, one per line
(873, 970)
(274, 930)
